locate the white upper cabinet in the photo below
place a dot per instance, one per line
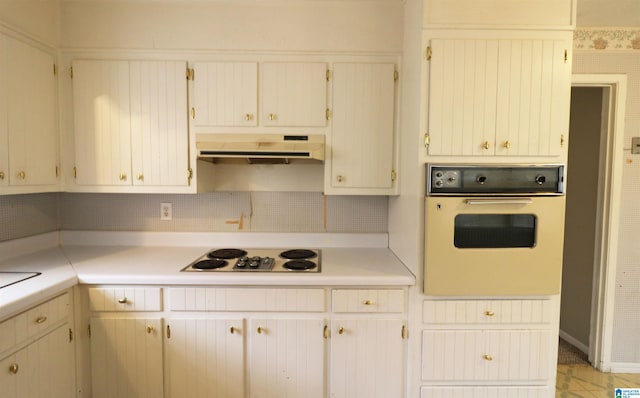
(131, 123)
(362, 133)
(159, 123)
(28, 118)
(294, 94)
(101, 110)
(226, 94)
(498, 96)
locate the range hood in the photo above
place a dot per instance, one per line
(261, 147)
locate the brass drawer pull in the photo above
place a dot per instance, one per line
(123, 177)
(41, 319)
(487, 357)
(489, 313)
(13, 368)
(232, 330)
(261, 330)
(1, 175)
(367, 302)
(150, 329)
(248, 117)
(122, 300)
(325, 332)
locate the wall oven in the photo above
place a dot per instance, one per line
(494, 230)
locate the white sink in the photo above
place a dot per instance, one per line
(9, 278)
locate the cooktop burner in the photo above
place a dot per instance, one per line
(299, 265)
(257, 260)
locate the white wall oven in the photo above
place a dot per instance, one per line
(494, 230)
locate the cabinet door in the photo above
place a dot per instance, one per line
(226, 93)
(367, 358)
(363, 120)
(102, 125)
(286, 358)
(159, 126)
(44, 368)
(206, 358)
(294, 94)
(505, 97)
(126, 357)
(30, 100)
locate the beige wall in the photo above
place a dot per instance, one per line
(580, 221)
(626, 317)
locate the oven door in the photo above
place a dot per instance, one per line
(481, 246)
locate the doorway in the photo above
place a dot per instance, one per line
(594, 171)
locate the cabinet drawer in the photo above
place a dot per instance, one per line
(246, 299)
(368, 300)
(486, 311)
(125, 299)
(490, 355)
(38, 319)
(485, 391)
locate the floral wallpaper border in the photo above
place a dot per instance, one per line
(602, 39)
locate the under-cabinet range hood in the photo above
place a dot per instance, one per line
(260, 147)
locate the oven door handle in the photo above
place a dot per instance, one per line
(474, 202)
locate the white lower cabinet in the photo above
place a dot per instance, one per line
(126, 357)
(287, 358)
(488, 348)
(206, 358)
(247, 342)
(37, 352)
(367, 358)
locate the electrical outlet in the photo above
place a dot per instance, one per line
(166, 212)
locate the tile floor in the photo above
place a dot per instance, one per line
(586, 382)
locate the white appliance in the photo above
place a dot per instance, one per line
(494, 230)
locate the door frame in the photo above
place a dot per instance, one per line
(608, 216)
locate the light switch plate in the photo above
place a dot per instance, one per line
(635, 145)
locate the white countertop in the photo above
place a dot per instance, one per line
(67, 258)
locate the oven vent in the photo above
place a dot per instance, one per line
(260, 147)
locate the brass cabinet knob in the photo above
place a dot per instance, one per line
(123, 177)
(367, 302)
(122, 300)
(325, 332)
(273, 116)
(489, 313)
(485, 145)
(140, 177)
(487, 357)
(150, 329)
(340, 178)
(1, 175)
(507, 144)
(340, 330)
(13, 368)
(232, 330)
(41, 319)
(22, 175)
(261, 330)
(249, 117)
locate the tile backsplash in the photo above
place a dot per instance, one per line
(26, 215)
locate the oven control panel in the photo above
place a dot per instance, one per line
(494, 180)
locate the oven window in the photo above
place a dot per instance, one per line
(475, 231)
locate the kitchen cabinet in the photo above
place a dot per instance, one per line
(226, 93)
(28, 118)
(293, 94)
(37, 352)
(126, 357)
(206, 358)
(488, 345)
(287, 358)
(367, 352)
(288, 94)
(362, 137)
(497, 94)
(131, 124)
